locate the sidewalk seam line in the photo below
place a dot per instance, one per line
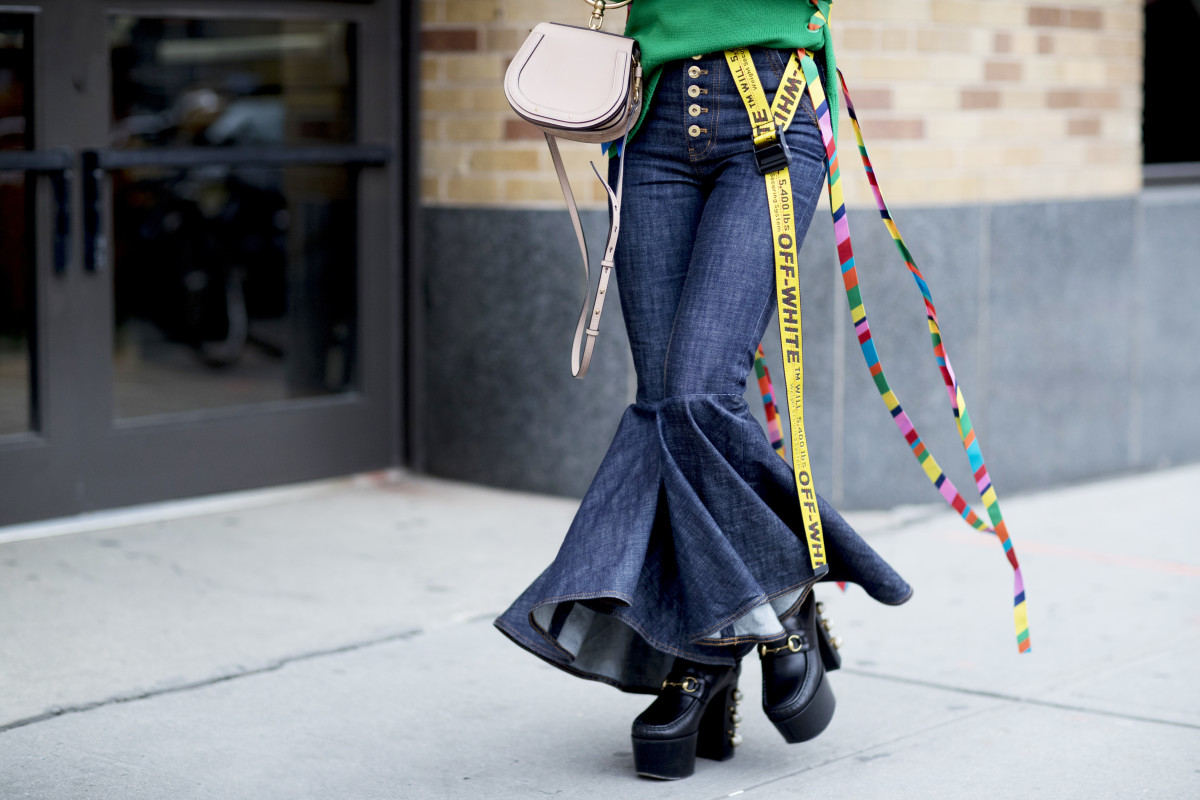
(273, 666)
(1011, 698)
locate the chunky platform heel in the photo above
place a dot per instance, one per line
(812, 718)
(665, 759)
(695, 715)
(828, 644)
(797, 696)
(718, 726)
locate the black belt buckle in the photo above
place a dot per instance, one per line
(774, 156)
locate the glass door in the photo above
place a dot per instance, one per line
(39, 453)
(228, 297)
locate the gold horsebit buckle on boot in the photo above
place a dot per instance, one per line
(794, 644)
(688, 684)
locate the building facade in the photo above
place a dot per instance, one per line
(1007, 137)
(250, 242)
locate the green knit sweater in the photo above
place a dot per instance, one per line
(667, 30)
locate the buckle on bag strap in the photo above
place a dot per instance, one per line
(772, 154)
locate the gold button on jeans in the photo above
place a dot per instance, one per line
(694, 110)
(694, 131)
(693, 71)
(693, 91)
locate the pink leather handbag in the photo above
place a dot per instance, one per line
(576, 83)
(585, 85)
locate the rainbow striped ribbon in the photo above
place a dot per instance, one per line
(774, 428)
(862, 328)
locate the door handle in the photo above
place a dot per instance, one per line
(57, 165)
(96, 163)
(60, 181)
(95, 243)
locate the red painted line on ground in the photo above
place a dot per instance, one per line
(1095, 556)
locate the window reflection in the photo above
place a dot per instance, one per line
(16, 218)
(231, 82)
(237, 284)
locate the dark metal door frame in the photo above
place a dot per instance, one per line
(83, 459)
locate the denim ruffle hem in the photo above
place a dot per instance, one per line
(685, 544)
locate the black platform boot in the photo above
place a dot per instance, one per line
(796, 693)
(694, 715)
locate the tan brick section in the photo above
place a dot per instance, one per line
(963, 101)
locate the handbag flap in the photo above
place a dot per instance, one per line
(570, 77)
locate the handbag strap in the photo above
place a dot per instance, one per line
(858, 315)
(582, 359)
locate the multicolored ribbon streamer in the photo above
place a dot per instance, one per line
(765, 387)
(862, 329)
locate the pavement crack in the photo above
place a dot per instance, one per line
(272, 666)
(1012, 698)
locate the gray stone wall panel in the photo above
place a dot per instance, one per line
(1169, 343)
(1070, 325)
(881, 470)
(503, 292)
(1060, 341)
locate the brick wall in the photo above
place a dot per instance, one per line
(962, 101)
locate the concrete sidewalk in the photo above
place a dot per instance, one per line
(335, 641)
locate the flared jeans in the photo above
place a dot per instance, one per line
(686, 542)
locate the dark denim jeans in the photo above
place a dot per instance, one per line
(685, 544)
